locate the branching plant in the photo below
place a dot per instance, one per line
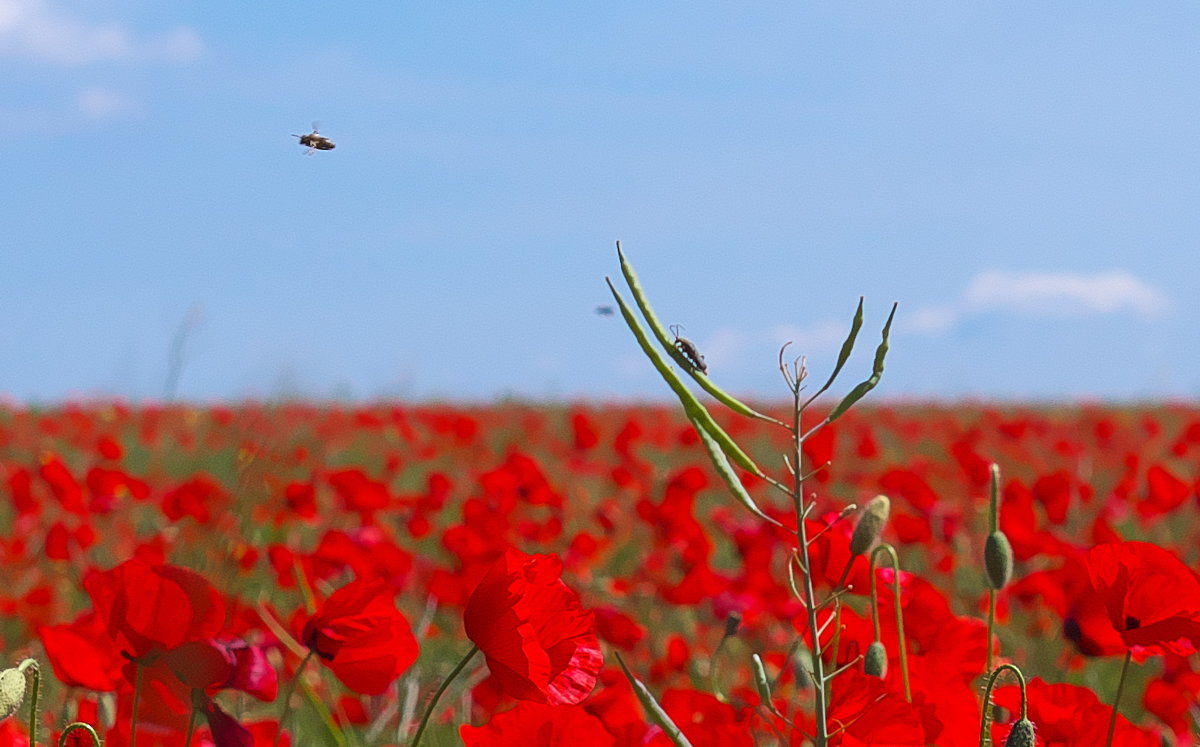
(822, 614)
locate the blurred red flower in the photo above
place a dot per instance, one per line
(540, 643)
(1142, 599)
(360, 635)
(540, 724)
(148, 610)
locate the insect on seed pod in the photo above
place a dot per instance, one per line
(687, 351)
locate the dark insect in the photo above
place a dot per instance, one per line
(688, 352)
(604, 310)
(315, 141)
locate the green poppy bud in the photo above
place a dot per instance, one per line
(1021, 734)
(870, 525)
(876, 659)
(998, 559)
(12, 692)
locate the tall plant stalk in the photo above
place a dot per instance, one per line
(725, 453)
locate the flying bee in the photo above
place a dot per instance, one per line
(688, 352)
(315, 141)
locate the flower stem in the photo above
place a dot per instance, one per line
(62, 740)
(1112, 721)
(991, 625)
(287, 698)
(437, 695)
(985, 722)
(191, 727)
(137, 699)
(33, 699)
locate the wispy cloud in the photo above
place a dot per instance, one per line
(36, 31)
(102, 103)
(1060, 294)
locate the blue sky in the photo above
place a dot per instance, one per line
(1023, 180)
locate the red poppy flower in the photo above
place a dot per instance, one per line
(540, 724)
(82, 655)
(540, 644)
(360, 635)
(152, 609)
(1142, 599)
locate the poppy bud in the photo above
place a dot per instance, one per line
(870, 525)
(732, 623)
(998, 559)
(1021, 734)
(875, 661)
(12, 691)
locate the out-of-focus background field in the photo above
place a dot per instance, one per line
(428, 496)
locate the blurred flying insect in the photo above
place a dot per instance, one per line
(688, 352)
(315, 141)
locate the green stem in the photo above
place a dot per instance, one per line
(984, 738)
(33, 700)
(1112, 721)
(891, 553)
(322, 710)
(191, 727)
(137, 699)
(62, 740)
(437, 695)
(821, 738)
(991, 625)
(287, 698)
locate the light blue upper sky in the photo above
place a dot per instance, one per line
(1024, 179)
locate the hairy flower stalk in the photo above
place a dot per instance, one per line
(891, 553)
(1023, 728)
(997, 557)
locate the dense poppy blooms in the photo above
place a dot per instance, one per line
(360, 635)
(540, 643)
(1142, 599)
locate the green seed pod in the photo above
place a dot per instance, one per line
(870, 525)
(12, 692)
(875, 661)
(1021, 734)
(998, 559)
(761, 682)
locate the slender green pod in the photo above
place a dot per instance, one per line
(860, 391)
(701, 417)
(653, 709)
(664, 339)
(731, 479)
(762, 683)
(844, 355)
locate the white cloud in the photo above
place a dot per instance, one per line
(1041, 294)
(33, 30)
(102, 103)
(1063, 293)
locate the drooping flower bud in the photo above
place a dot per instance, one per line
(1021, 734)
(12, 691)
(870, 525)
(875, 661)
(998, 559)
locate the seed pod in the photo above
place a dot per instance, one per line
(870, 525)
(12, 692)
(875, 660)
(1021, 734)
(998, 559)
(761, 682)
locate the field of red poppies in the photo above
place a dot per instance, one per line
(204, 574)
